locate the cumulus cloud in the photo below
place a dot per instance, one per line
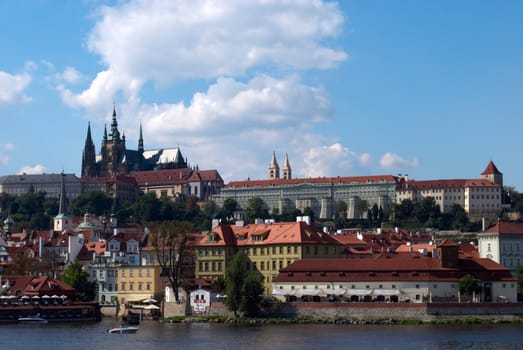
(37, 169)
(251, 53)
(229, 106)
(13, 87)
(394, 161)
(334, 159)
(191, 39)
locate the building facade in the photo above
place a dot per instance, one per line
(318, 194)
(51, 184)
(502, 242)
(269, 247)
(480, 198)
(396, 277)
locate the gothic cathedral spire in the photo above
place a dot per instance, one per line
(89, 156)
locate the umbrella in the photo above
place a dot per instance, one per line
(149, 301)
(152, 307)
(36, 297)
(46, 296)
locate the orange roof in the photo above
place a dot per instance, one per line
(504, 226)
(456, 183)
(160, 177)
(263, 234)
(491, 169)
(390, 267)
(318, 180)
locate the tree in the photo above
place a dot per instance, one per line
(23, 264)
(94, 202)
(229, 206)
(234, 277)
(243, 290)
(469, 285)
(255, 209)
(519, 277)
(147, 208)
(77, 278)
(170, 241)
(252, 292)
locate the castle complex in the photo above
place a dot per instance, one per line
(480, 197)
(115, 159)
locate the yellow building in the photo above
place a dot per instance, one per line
(136, 283)
(270, 247)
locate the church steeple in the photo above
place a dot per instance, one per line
(61, 221)
(89, 156)
(287, 171)
(115, 134)
(274, 168)
(140, 141)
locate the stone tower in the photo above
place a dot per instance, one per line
(492, 174)
(287, 171)
(274, 168)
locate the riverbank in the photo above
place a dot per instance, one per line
(340, 321)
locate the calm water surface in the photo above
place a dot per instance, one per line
(153, 335)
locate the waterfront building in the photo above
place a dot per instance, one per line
(395, 277)
(503, 243)
(269, 247)
(136, 283)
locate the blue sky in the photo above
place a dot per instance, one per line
(432, 89)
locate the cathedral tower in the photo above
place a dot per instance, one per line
(287, 171)
(113, 151)
(274, 168)
(89, 156)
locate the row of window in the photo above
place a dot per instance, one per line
(132, 284)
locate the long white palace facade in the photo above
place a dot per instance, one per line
(480, 197)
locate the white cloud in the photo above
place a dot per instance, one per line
(394, 161)
(191, 39)
(71, 75)
(333, 160)
(12, 88)
(37, 169)
(229, 107)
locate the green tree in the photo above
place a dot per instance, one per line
(255, 209)
(93, 202)
(234, 277)
(147, 208)
(243, 290)
(519, 277)
(252, 293)
(77, 278)
(230, 205)
(468, 284)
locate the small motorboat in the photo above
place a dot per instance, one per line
(32, 319)
(123, 330)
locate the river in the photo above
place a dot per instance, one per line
(158, 336)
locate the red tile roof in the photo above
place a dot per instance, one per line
(318, 180)
(390, 267)
(504, 226)
(491, 169)
(275, 233)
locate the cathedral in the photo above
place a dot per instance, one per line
(115, 159)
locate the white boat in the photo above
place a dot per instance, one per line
(123, 330)
(32, 319)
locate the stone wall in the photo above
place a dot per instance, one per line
(375, 311)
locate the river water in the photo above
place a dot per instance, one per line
(158, 336)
